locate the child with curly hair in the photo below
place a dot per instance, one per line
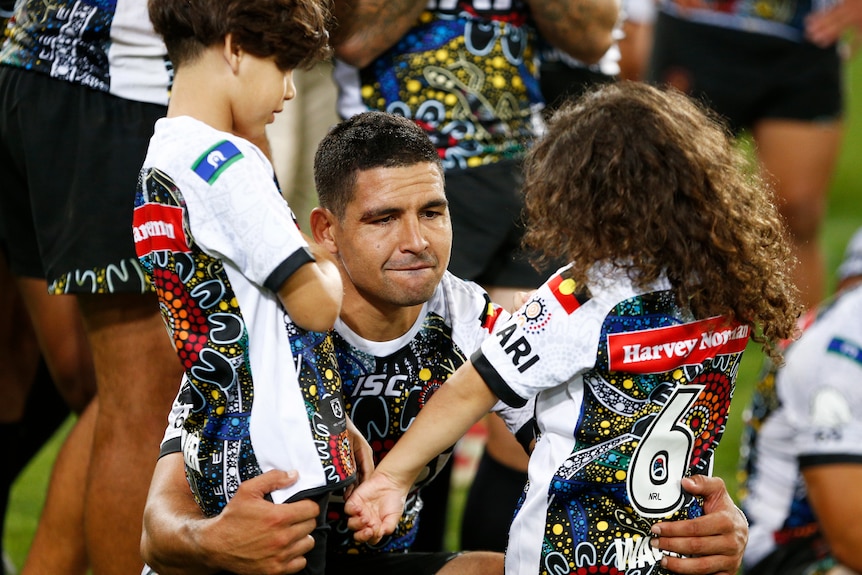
(677, 257)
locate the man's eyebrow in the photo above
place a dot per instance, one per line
(389, 211)
(441, 203)
(379, 213)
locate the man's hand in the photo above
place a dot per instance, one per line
(250, 536)
(253, 535)
(375, 507)
(712, 543)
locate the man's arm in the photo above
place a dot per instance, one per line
(581, 28)
(251, 534)
(367, 28)
(834, 492)
(712, 543)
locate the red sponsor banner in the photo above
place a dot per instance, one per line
(158, 227)
(667, 348)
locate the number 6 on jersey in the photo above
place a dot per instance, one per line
(662, 457)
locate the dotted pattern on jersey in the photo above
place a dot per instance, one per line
(590, 500)
(469, 82)
(383, 397)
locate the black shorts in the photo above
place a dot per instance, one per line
(746, 76)
(412, 563)
(69, 161)
(486, 206)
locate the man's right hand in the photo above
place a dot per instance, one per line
(251, 536)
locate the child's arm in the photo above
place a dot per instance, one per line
(362, 454)
(312, 294)
(376, 505)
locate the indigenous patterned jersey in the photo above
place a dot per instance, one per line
(632, 394)
(387, 383)
(107, 45)
(466, 73)
(259, 393)
(782, 18)
(808, 413)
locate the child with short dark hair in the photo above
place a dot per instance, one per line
(242, 293)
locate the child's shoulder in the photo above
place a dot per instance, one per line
(186, 145)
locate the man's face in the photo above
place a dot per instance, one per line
(395, 237)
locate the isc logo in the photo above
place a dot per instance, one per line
(379, 384)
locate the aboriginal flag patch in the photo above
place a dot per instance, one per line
(566, 292)
(210, 165)
(490, 314)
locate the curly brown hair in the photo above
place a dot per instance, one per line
(294, 32)
(652, 182)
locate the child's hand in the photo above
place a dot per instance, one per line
(375, 507)
(522, 297)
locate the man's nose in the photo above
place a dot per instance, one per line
(413, 236)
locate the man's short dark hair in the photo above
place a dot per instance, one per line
(364, 142)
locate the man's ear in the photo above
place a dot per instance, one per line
(322, 222)
(231, 53)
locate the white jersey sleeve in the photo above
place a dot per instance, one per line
(819, 386)
(533, 351)
(234, 208)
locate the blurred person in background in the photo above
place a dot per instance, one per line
(802, 447)
(773, 68)
(81, 85)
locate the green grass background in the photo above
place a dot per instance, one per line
(844, 216)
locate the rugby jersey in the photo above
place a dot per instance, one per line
(387, 383)
(632, 394)
(780, 18)
(467, 73)
(259, 393)
(805, 414)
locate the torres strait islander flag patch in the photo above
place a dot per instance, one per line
(212, 163)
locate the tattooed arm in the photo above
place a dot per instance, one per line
(581, 28)
(367, 28)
